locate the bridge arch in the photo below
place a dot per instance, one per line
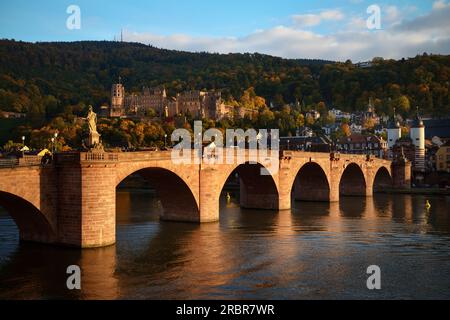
(311, 184)
(353, 181)
(383, 179)
(178, 199)
(257, 191)
(33, 225)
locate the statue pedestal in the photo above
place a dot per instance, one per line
(93, 140)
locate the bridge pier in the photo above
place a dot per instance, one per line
(210, 192)
(86, 205)
(334, 193)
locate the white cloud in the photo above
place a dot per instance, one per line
(391, 14)
(426, 33)
(332, 15)
(440, 4)
(306, 20)
(310, 20)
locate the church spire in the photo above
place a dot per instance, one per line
(394, 124)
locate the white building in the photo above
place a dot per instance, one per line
(417, 135)
(394, 131)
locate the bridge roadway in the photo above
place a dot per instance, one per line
(72, 201)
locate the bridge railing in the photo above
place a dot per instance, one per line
(26, 161)
(9, 163)
(30, 161)
(100, 156)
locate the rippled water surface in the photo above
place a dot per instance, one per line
(315, 251)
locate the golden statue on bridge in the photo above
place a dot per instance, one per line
(93, 141)
(92, 120)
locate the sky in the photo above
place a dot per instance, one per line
(328, 29)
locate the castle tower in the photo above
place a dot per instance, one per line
(117, 99)
(394, 131)
(417, 134)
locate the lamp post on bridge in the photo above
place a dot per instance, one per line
(23, 147)
(54, 140)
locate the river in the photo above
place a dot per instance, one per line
(314, 251)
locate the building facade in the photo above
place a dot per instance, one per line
(199, 104)
(443, 158)
(306, 143)
(361, 144)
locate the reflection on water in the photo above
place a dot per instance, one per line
(315, 251)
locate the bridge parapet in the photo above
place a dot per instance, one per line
(78, 157)
(208, 157)
(26, 161)
(144, 156)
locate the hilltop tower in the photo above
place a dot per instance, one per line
(417, 135)
(394, 131)
(117, 99)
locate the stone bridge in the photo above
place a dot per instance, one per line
(72, 202)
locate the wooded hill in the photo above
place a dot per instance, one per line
(44, 79)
